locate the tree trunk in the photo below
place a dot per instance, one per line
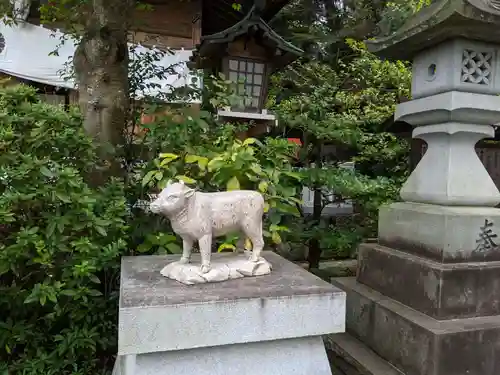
(101, 69)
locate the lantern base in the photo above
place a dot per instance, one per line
(385, 337)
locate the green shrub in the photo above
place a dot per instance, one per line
(60, 243)
(206, 153)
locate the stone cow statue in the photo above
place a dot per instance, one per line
(198, 216)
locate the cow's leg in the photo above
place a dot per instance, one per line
(241, 245)
(253, 230)
(187, 247)
(205, 244)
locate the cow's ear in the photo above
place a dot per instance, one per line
(181, 182)
(188, 192)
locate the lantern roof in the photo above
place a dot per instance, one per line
(218, 15)
(441, 21)
(252, 24)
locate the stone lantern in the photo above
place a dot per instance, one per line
(247, 54)
(426, 298)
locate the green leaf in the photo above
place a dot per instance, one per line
(256, 168)
(94, 293)
(252, 177)
(191, 158)
(276, 238)
(263, 186)
(278, 228)
(226, 246)
(186, 179)
(68, 292)
(30, 298)
(63, 197)
(249, 141)
(168, 156)
(162, 184)
(51, 228)
(166, 161)
(275, 218)
(52, 297)
(148, 177)
(46, 172)
(173, 248)
(295, 175)
(101, 231)
(94, 279)
(165, 238)
(215, 163)
(159, 176)
(202, 163)
(143, 247)
(295, 200)
(286, 208)
(233, 184)
(161, 251)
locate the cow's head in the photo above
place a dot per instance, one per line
(171, 199)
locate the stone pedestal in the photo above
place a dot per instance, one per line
(412, 342)
(266, 325)
(426, 298)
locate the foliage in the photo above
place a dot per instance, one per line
(208, 155)
(60, 241)
(395, 13)
(344, 105)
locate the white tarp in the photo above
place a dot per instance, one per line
(27, 55)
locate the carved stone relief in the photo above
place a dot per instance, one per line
(476, 67)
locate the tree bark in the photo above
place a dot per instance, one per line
(101, 70)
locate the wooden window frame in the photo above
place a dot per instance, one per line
(263, 86)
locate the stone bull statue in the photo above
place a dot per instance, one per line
(198, 216)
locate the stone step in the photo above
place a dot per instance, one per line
(339, 268)
(346, 267)
(349, 356)
(329, 269)
(414, 342)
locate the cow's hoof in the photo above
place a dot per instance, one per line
(204, 269)
(184, 260)
(254, 259)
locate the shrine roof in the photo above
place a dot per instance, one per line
(252, 24)
(218, 15)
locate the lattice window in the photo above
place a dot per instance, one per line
(250, 78)
(476, 67)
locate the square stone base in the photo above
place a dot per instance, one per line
(445, 234)
(440, 290)
(166, 327)
(302, 356)
(417, 344)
